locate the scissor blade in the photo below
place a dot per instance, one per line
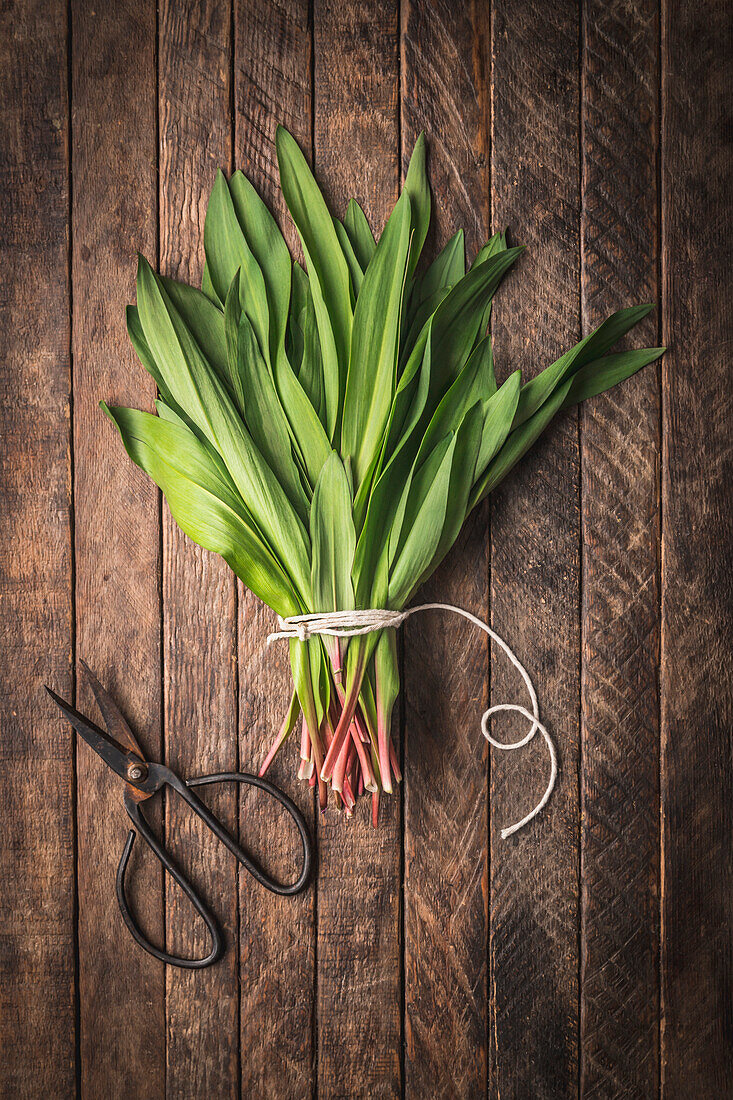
(114, 720)
(117, 758)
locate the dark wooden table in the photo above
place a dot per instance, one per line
(592, 953)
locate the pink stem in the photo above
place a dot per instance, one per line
(366, 766)
(395, 763)
(339, 771)
(276, 746)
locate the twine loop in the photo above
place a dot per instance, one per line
(351, 624)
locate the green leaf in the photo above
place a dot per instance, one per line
(312, 441)
(265, 418)
(421, 522)
(360, 235)
(204, 320)
(518, 443)
(327, 268)
(311, 365)
(372, 371)
(601, 374)
(207, 287)
(333, 538)
(463, 469)
(203, 504)
(498, 414)
(198, 390)
(593, 346)
(143, 352)
(448, 268)
(355, 269)
(456, 321)
(227, 252)
(493, 247)
(418, 189)
(476, 382)
(271, 253)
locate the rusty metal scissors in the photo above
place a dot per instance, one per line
(121, 752)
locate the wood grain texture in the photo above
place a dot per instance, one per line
(445, 50)
(36, 793)
(697, 536)
(199, 593)
(277, 937)
(117, 531)
(621, 526)
(609, 969)
(535, 559)
(356, 149)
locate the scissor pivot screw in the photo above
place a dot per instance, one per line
(137, 771)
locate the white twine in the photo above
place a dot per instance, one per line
(349, 624)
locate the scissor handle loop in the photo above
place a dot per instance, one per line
(160, 776)
(147, 834)
(284, 889)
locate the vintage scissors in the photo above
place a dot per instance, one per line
(121, 752)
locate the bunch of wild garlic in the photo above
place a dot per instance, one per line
(327, 429)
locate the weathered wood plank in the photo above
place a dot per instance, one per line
(620, 520)
(535, 558)
(356, 153)
(199, 593)
(36, 799)
(697, 542)
(445, 52)
(117, 531)
(277, 937)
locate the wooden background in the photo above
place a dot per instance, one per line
(591, 954)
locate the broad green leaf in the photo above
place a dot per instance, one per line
(485, 351)
(476, 382)
(202, 503)
(268, 247)
(498, 415)
(265, 418)
(601, 374)
(416, 487)
(204, 320)
(207, 287)
(355, 269)
(333, 372)
(143, 352)
(419, 319)
(227, 252)
(360, 235)
(232, 318)
(456, 321)
(312, 441)
(418, 189)
(299, 290)
(493, 247)
(518, 443)
(333, 538)
(448, 268)
(422, 523)
(311, 365)
(196, 387)
(463, 469)
(593, 346)
(372, 370)
(326, 264)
